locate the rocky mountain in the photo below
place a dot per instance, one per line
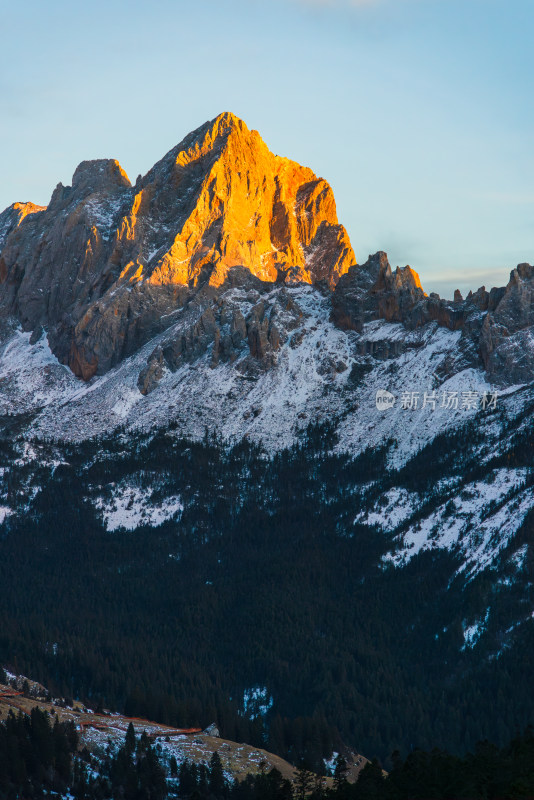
(219, 300)
(220, 293)
(105, 266)
(108, 267)
(496, 326)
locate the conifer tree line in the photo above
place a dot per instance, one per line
(266, 579)
(39, 758)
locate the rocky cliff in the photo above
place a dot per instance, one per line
(496, 326)
(106, 264)
(219, 300)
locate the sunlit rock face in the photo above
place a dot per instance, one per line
(106, 264)
(237, 204)
(11, 218)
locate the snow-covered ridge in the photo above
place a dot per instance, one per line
(319, 374)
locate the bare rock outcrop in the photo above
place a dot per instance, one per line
(13, 216)
(497, 327)
(373, 291)
(247, 327)
(507, 335)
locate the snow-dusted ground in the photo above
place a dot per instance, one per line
(478, 522)
(5, 511)
(309, 383)
(130, 507)
(473, 631)
(236, 759)
(31, 376)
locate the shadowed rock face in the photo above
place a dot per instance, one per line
(251, 329)
(372, 291)
(507, 336)
(497, 326)
(104, 266)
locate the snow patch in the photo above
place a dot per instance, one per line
(131, 507)
(330, 763)
(394, 507)
(5, 512)
(126, 402)
(102, 213)
(518, 558)
(473, 632)
(256, 702)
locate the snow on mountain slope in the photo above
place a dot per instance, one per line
(30, 375)
(392, 509)
(130, 507)
(478, 522)
(474, 520)
(472, 632)
(320, 373)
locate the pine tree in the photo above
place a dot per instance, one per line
(130, 740)
(340, 772)
(217, 782)
(304, 782)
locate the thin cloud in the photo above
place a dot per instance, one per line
(472, 275)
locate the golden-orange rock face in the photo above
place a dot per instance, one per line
(237, 204)
(106, 265)
(23, 209)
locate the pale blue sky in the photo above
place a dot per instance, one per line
(418, 112)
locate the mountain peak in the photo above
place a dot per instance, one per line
(100, 173)
(223, 123)
(207, 138)
(218, 207)
(226, 119)
(409, 278)
(240, 205)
